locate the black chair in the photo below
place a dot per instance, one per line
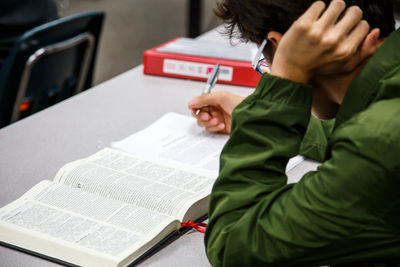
(48, 64)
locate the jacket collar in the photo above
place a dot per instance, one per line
(366, 87)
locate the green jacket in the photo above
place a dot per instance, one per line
(346, 211)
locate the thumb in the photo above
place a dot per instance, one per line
(370, 44)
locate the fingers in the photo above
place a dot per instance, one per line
(350, 19)
(215, 110)
(358, 34)
(221, 99)
(346, 34)
(203, 100)
(212, 122)
(216, 124)
(215, 129)
(332, 13)
(202, 116)
(350, 45)
(344, 25)
(314, 11)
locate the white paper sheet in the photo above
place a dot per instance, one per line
(175, 137)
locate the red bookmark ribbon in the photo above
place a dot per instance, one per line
(201, 227)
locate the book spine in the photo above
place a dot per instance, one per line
(197, 68)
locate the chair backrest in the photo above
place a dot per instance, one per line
(48, 64)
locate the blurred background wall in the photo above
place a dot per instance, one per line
(132, 26)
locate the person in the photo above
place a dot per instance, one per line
(328, 61)
(18, 16)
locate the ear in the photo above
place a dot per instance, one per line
(274, 37)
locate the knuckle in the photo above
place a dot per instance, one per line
(315, 36)
(329, 42)
(346, 52)
(302, 25)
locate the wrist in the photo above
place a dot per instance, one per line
(292, 73)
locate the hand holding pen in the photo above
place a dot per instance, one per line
(212, 80)
(216, 110)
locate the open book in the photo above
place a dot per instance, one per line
(112, 207)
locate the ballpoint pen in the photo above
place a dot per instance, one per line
(212, 80)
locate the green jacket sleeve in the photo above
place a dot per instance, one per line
(314, 144)
(256, 219)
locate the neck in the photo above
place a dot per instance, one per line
(329, 91)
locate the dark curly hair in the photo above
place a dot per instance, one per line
(255, 18)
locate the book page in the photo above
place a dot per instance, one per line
(80, 220)
(178, 139)
(147, 184)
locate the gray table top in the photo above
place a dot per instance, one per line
(35, 148)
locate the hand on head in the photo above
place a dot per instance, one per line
(217, 117)
(324, 41)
